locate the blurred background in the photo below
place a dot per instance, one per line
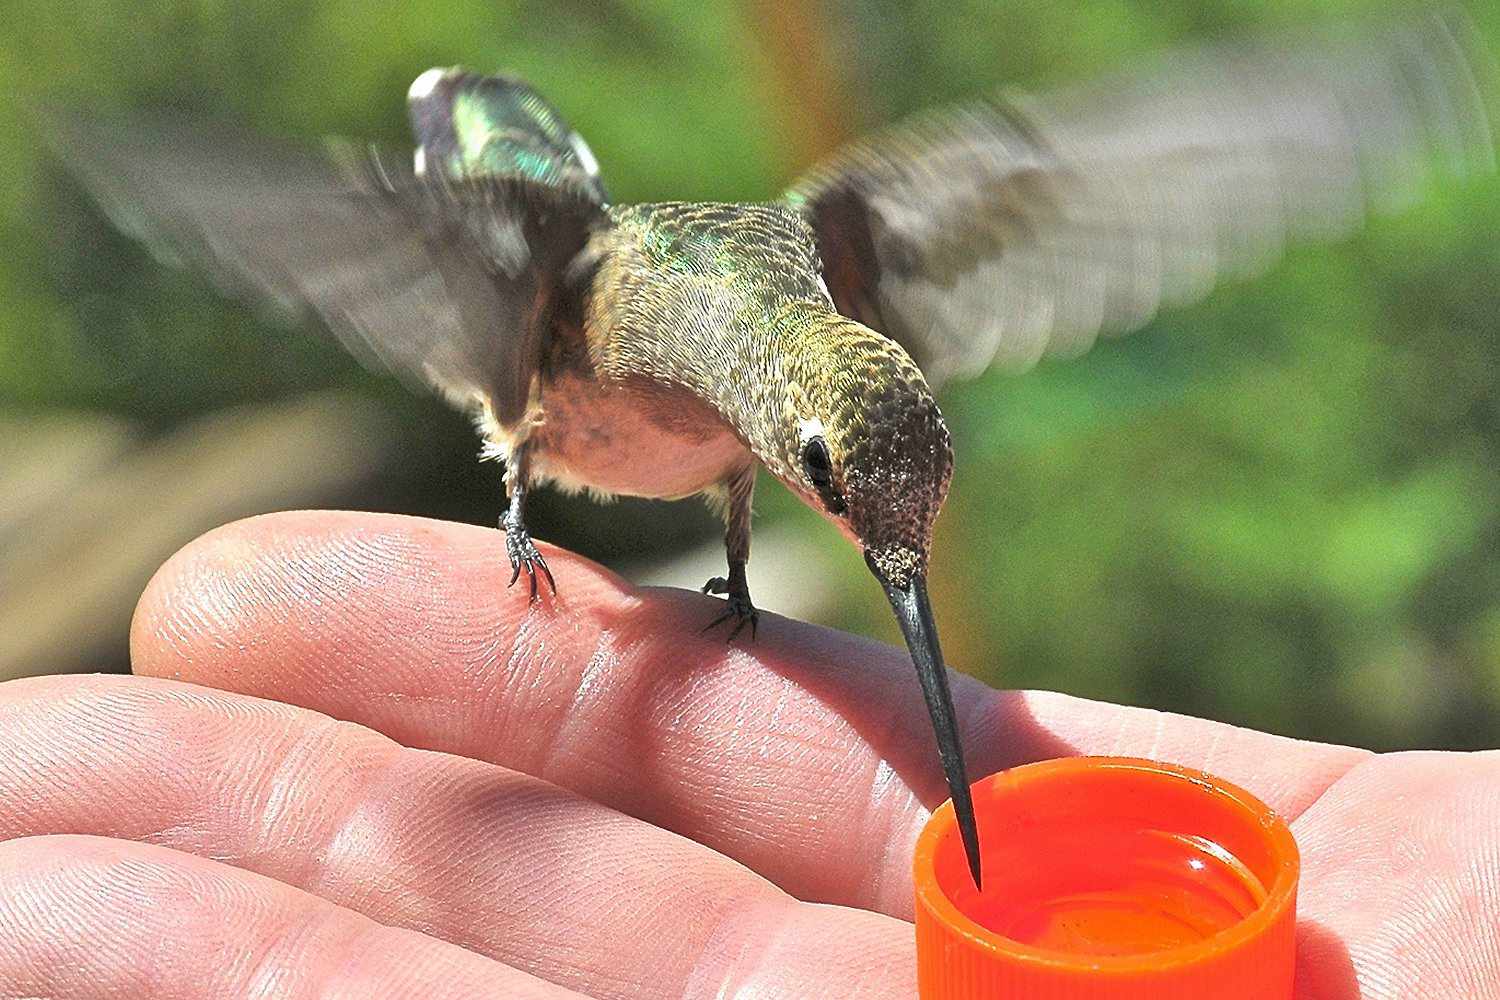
(1280, 508)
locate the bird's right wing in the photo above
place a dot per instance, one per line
(453, 280)
(1007, 230)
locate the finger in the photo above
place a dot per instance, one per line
(1401, 881)
(493, 860)
(87, 918)
(807, 755)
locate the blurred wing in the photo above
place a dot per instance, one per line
(1002, 232)
(453, 280)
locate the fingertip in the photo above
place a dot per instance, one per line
(175, 585)
(293, 594)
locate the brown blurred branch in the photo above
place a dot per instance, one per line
(74, 558)
(809, 89)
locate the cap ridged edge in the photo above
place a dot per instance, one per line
(951, 968)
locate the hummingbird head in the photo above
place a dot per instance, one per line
(861, 439)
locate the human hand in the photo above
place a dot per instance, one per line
(239, 842)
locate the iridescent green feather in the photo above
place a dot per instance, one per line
(473, 125)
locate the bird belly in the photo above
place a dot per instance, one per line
(623, 437)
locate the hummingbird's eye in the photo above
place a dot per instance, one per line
(819, 468)
(816, 462)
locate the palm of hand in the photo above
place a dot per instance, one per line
(236, 846)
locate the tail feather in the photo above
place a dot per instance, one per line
(473, 125)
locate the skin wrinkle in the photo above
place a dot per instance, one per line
(1389, 882)
(349, 949)
(722, 969)
(734, 733)
(1158, 731)
(794, 749)
(302, 936)
(386, 827)
(256, 803)
(490, 806)
(201, 911)
(864, 838)
(20, 810)
(1211, 753)
(267, 972)
(330, 573)
(610, 656)
(299, 768)
(909, 818)
(530, 661)
(1341, 770)
(205, 613)
(209, 889)
(563, 732)
(528, 645)
(884, 719)
(1333, 761)
(18, 911)
(273, 798)
(877, 957)
(591, 682)
(323, 863)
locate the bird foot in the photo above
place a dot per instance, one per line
(524, 555)
(737, 606)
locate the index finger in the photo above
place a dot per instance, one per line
(806, 755)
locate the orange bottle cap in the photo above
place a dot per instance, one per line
(1108, 878)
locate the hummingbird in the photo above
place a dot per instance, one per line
(672, 349)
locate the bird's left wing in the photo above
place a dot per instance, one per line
(1008, 230)
(452, 280)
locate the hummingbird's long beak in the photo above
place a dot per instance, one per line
(914, 613)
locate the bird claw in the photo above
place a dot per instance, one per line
(737, 606)
(523, 554)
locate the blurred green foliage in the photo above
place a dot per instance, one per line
(1280, 508)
